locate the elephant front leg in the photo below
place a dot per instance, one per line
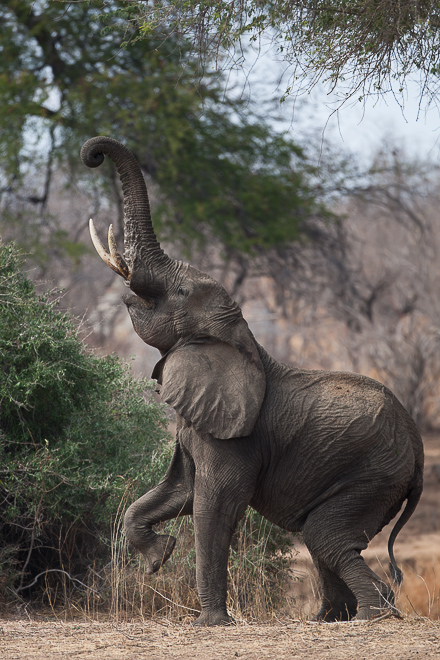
(173, 497)
(213, 534)
(217, 509)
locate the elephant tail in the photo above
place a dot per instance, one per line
(413, 497)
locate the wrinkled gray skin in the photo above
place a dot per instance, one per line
(331, 455)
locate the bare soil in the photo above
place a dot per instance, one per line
(392, 639)
(417, 551)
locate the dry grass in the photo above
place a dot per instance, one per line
(92, 640)
(120, 601)
(123, 592)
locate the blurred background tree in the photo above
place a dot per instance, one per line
(228, 189)
(219, 168)
(218, 171)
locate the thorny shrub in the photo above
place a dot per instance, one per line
(75, 431)
(80, 439)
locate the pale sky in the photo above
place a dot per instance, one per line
(364, 127)
(361, 128)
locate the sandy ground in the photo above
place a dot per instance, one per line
(391, 639)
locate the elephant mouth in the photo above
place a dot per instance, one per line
(131, 299)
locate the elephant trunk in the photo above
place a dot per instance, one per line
(146, 260)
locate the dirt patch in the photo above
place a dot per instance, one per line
(393, 639)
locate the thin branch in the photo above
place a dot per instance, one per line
(56, 570)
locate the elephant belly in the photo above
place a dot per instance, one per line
(338, 436)
(288, 504)
(364, 476)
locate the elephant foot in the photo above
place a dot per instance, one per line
(384, 605)
(157, 552)
(213, 618)
(338, 611)
(369, 613)
(330, 616)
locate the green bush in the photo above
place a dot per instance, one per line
(77, 432)
(79, 439)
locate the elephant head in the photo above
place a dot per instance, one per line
(210, 369)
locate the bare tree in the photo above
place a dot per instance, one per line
(365, 47)
(364, 294)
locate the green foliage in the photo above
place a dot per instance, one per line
(221, 169)
(80, 439)
(364, 44)
(76, 431)
(258, 194)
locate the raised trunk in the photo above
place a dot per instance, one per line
(142, 250)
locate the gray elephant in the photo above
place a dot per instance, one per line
(331, 455)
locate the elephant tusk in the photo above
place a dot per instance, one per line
(117, 258)
(100, 249)
(114, 259)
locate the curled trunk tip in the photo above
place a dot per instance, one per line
(141, 246)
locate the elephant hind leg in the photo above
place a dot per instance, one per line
(373, 595)
(338, 601)
(335, 545)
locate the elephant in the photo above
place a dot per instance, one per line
(331, 455)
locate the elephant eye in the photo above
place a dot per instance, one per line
(182, 292)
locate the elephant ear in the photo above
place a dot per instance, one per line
(213, 385)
